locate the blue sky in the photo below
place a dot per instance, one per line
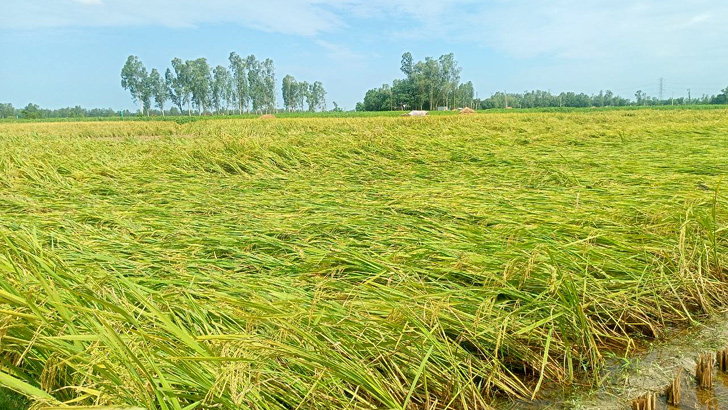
(70, 52)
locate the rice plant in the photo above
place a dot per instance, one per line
(360, 263)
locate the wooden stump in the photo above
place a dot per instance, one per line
(673, 390)
(704, 371)
(646, 402)
(723, 360)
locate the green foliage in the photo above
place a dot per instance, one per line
(10, 400)
(134, 79)
(179, 85)
(436, 82)
(32, 112)
(157, 89)
(223, 93)
(7, 110)
(721, 98)
(369, 263)
(429, 84)
(200, 84)
(240, 84)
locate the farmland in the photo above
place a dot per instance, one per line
(377, 262)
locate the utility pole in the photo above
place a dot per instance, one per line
(689, 96)
(505, 93)
(662, 87)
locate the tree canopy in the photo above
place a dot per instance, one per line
(246, 84)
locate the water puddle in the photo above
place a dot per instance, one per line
(628, 378)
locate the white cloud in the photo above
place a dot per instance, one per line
(577, 29)
(562, 29)
(340, 52)
(307, 17)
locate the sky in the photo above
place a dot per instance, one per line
(59, 53)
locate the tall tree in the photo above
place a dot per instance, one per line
(465, 95)
(317, 89)
(200, 84)
(311, 98)
(289, 92)
(221, 88)
(431, 82)
(239, 70)
(158, 88)
(133, 79)
(302, 90)
(256, 84)
(173, 90)
(407, 64)
(269, 85)
(182, 84)
(450, 77)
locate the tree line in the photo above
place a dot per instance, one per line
(434, 83)
(545, 99)
(34, 111)
(296, 93)
(246, 85)
(430, 83)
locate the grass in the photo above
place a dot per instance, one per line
(360, 263)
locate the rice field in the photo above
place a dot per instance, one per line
(351, 263)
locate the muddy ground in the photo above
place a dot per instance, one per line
(652, 371)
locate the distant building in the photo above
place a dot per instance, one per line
(442, 109)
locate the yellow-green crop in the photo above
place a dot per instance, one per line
(350, 263)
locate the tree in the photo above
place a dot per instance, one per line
(319, 93)
(183, 83)
(133, 79)
(269, 85)
(721, 98)
(465, 95)
(449, 78)
(407, 64)
(239, 69)
(256, 87)
(175, 91)
(200, 83)
(32, 111)
(158, 88)
(221, 88)
(301, 94)
(7, 110)
(312, 97)
(432, 82)
(288, 91)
